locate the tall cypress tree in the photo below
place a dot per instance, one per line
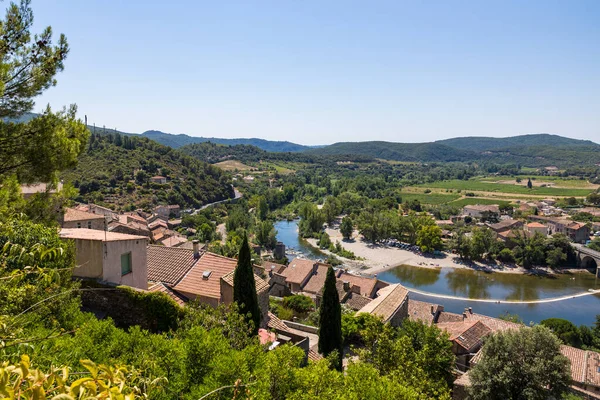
(244, 287)
(330, 320)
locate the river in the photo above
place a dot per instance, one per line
(482, 285)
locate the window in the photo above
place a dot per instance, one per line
(125, 263)
(79, 225)
(89, 224)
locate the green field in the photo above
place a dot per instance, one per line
(468, 201)
(482, 186)
(429, 198)
(536, 179)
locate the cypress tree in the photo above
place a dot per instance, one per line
(244, 287)
(330, 320)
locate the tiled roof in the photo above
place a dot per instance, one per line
(446, 316)
(193, 281)
(421, 311)
(260, 284)
(298, 270)
(356, 301)
(271, 266)
(466, 334)
(314, 356)
(535, 225)
(366, 284)
(506, 224)
(317, 280)
(72, 214)
(168, 264)
(160, 287)
(276, 323)
(95, 234)
(389, 299)
(495, 324)
(173, 241)
(585, 365)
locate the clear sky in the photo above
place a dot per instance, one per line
(318, 72)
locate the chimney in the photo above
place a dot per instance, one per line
(432, 309)
(196, 245)
(464, 316)
(346, 286)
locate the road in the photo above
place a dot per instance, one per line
(237, 195)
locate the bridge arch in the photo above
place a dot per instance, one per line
(589, 262)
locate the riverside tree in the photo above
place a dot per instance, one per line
(330, 321)
(244, 287)
(346, 228)
(521, 364)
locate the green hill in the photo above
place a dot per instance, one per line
(426, 152)
(115, 172)
(527, 150)
(176, 141)
(480, 144)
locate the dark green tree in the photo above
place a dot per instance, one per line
(330, 320)
(529, 184)
(244, 287)
(565, 330)
(346, 228)
(521, 364)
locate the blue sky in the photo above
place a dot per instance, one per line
(318, 72)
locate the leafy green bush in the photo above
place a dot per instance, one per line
(299, 303)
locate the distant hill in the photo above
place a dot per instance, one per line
(115, 171)
(480, 144)
(176, 141)
(426, 152)
(528, 150)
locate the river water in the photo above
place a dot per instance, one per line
(482, 285)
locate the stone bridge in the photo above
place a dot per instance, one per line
(588, 258)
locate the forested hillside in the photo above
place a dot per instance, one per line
(177, 141)
(116, 170)
(479, 144)
(526, 150)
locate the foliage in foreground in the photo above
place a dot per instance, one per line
(520, 364)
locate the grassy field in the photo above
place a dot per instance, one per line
(232, 165)
(537, 180)
(429, 198)
(483, 186)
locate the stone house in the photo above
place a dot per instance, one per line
(191, 274)
(506, 225)
(74, 218)
(467, 338)
(109, 257)
(534, 227)
(482, 211)
(161, 180)
(391, 304)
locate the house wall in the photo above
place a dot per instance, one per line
(542, 230)
(88, 258)
(401, 314)
(97, 224)
(263, 301)
(138, 277)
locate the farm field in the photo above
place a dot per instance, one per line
(554, 181)
(429, 198)
(492, 187)
(232, 165)
(468, 201)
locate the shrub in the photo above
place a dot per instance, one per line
(299, 303)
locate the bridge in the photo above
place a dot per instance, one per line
(587, 258)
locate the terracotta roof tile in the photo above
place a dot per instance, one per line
(260, 284)
(276, 323)
(298, 270)
(317, 280)
(585, 365)
(366, 284)
(314, 356)
(195, 284)
(176, 297)
(72, 214)
(168, 264)
(389, 299)
(356, 301)
(421, 311)
(95, 234)
(467, 334)
(495, 324)
(446, 316)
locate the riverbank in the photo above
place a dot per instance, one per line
(378, 258)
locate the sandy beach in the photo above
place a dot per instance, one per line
(377, 258)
